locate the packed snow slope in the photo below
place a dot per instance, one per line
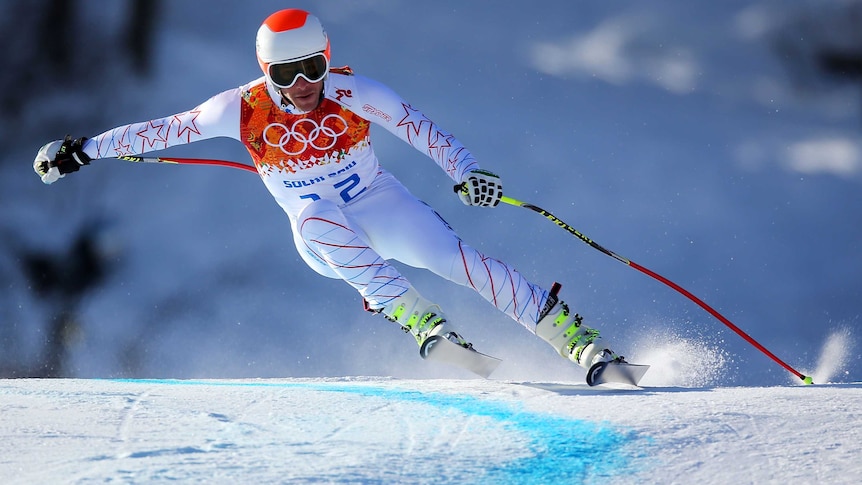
(378, 430)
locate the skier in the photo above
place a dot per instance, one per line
(306, 126)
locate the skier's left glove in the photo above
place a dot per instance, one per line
(480, 188)
(57, 158)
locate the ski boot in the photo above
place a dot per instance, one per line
(436, 338)
(419, 317)
(569, 337)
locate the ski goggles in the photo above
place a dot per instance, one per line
(312, 68)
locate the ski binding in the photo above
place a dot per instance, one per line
(620, 372)
(440, 349)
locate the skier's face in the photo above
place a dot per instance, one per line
(303, 94)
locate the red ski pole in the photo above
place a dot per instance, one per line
(652, 274)
(189, 161)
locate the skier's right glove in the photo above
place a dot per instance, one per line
(59, 157)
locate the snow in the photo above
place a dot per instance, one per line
(387, 430)
(381, 430)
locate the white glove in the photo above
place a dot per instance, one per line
(57, 158)
(480, 188)
(42, 164)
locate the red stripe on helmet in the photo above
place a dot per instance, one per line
(288, 19)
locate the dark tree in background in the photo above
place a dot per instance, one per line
(67, 47)
(65, 44)
(63, 279)
(143, 15)
(821, 46)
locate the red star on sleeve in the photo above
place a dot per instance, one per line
(412, 121)
(120, 145)
(152, 134)
(439, 142)
(187, 125)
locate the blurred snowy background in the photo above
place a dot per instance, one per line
(716, 143)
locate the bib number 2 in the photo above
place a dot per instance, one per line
(347, 187)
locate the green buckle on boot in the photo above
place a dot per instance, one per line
(420, 327)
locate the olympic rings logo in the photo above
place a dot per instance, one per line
(307, 133)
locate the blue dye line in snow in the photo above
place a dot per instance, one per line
(562, 449)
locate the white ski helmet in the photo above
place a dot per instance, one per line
(289, 35)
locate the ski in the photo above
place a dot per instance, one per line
(440, 349)
(616, 372)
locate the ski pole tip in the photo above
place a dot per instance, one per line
(807, 380)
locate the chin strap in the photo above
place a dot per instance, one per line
(286, 105)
